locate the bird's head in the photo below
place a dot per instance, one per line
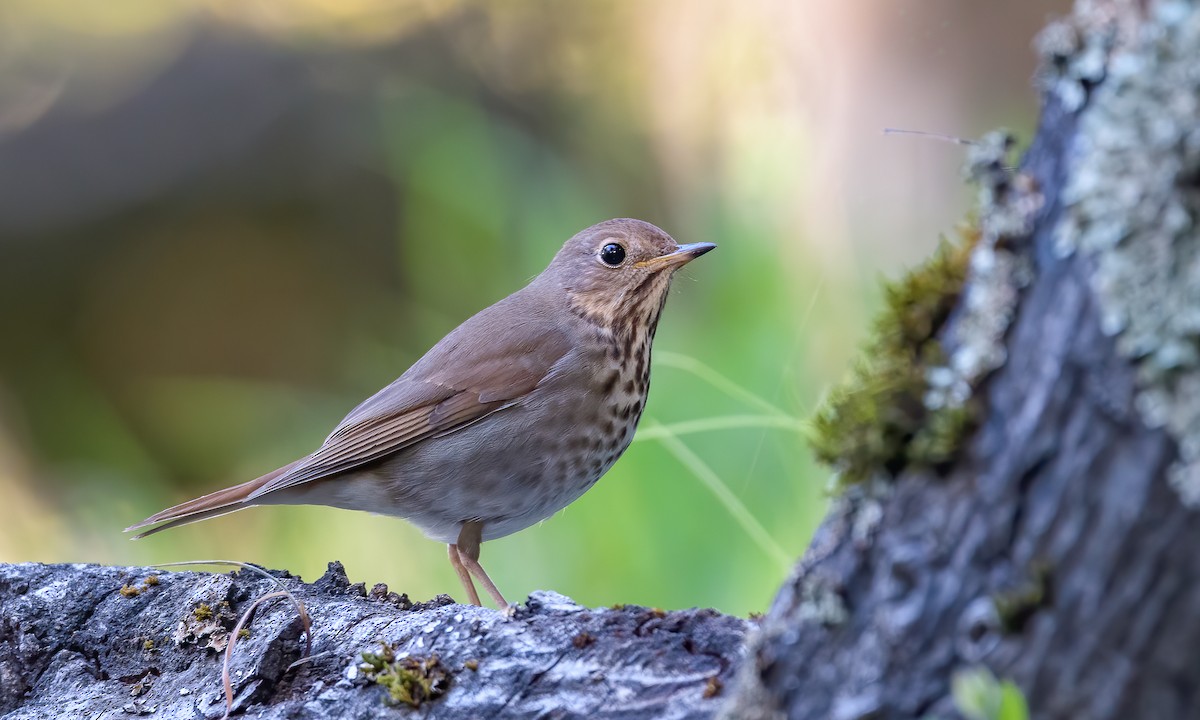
(617, 273)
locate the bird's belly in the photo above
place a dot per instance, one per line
(510, 470)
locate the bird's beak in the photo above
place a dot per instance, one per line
(684, 255)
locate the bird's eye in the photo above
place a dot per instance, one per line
(612, 254)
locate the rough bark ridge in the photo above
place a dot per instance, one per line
(83, 641)
(1058, 550)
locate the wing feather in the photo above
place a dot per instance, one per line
(442, 393)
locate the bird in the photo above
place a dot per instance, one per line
(506, 420)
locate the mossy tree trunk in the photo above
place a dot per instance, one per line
(1059, 548)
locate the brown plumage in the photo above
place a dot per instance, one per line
(506, 420)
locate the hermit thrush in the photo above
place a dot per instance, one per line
(508, 419)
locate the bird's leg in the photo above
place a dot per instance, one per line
(469, 539)
(463, 575)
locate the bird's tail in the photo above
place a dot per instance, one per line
(221, 502)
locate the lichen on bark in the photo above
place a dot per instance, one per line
(1132, 205)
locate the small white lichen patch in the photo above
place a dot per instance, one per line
(820, 602)
(1132, 204)
(866, 520)
(974, 341)
(1073, 58)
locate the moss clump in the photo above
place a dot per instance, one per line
(408, 680)
(206, 625)
(130, 590)
(877, 419)
(1016, 606)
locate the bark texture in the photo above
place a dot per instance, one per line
(83, 641)
(1059, 550)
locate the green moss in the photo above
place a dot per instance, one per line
(408, 680)
(130, 591)
(1016, 606)
(208, 626)
(877, 419)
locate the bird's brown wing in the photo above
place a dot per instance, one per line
(455, 384)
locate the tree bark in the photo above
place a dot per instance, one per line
(1059, 550)
(84, 641)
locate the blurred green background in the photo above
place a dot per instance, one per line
(222, 224)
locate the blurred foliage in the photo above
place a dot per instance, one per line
(223, 224)
(978, 695)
